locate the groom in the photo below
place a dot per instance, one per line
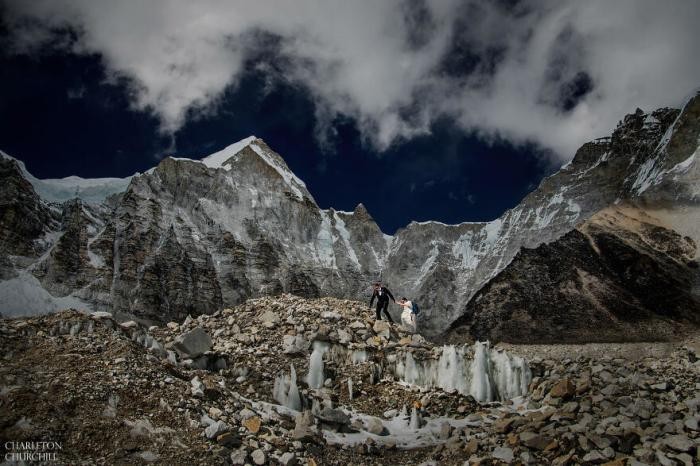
(382, 294)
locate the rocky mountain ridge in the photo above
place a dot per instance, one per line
(191, 237)
(619, 276)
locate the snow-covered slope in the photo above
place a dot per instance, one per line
(92, 190)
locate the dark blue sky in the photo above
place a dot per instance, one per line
(60, 116)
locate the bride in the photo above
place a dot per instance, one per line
(408, 318)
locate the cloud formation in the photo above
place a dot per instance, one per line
(551, 72)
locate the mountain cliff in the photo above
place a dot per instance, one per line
(192, 236)
(619, 276)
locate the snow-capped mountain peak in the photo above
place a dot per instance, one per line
(219, 159)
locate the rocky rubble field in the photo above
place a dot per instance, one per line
(285, 380)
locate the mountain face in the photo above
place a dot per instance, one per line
(189, 237)
(620, 275)
(649, 159)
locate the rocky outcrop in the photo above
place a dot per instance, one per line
(24, 218)
(620, 276)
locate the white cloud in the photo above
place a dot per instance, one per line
(389, 64)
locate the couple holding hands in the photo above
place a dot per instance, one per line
(382, 294)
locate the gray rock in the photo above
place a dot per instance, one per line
(382, 328)
(445, 431)
(344, 337)
(294, 344)
(269, 317)
(238, 457)
(197, 387)
(534, 440)
(663, 459)
(642, 408)
(595, 457)
(504, 454)
(288, 459)
(193, 343)
(659, 387)
(527, 458)
(678, 442)
(610, 390)
(375, 426)
(215, 429)
(258, 456)
(333, 416)
(599, 441)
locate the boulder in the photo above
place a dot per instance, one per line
(678, 442)
(216, 429)
(333, 416)
(563, 389)
(288, 459)
(258, 457)
(269, 317)
(382, 328)
(375, 426)
(504, 454)
(252, 424)
(533, 440)
(193, 343)
(294, 344)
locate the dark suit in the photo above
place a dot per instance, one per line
(382, 295)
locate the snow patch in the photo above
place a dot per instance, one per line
(463, 250)
(90, 190)
(324, 243)
(405, 431)
(429, 262)
(24, 296)
(345, 236)
(492, 229)
(219, 159)
(684, 165)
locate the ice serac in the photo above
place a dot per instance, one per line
(286, 391)
(486, 374)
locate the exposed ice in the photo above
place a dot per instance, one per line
(414, 422)
(315, 377)
(480, 387)
(323, 245)
(24, 295)
(488, 375)
(286, 390)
